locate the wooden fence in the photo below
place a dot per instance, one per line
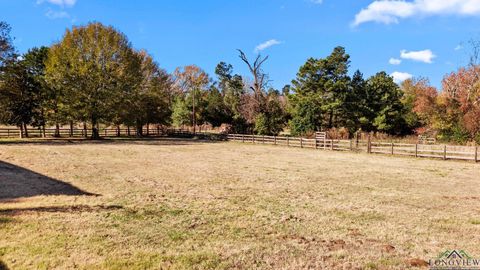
(402, 149)
(77, 132)
(415, 150)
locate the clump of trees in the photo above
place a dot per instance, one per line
(93, 76)
(452, 114)
(325, 96)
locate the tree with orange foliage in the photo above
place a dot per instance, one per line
(462, 90)
(191, 80)
(419, 100)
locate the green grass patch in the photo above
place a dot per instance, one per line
(5, 220)
(475, 221)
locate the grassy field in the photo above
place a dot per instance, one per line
(179, 204)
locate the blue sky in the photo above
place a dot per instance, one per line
(418, 37)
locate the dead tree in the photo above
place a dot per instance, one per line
(259, 77)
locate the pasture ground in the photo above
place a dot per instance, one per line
(180, 204)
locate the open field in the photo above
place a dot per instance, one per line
(179, 204)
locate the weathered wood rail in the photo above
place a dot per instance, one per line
(78, 132)
(452, 152)
(399, 149)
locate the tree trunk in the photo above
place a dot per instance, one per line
(71, 128)
(139, 131)
(26, 130)
(194, 120)
(21, 131)
(95, 132)
(118, 130)
(85, 133)
(128, 131)
(57, 131)
(44, 134)
(148, 129)
(330, 119)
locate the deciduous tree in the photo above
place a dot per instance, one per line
(92, 65)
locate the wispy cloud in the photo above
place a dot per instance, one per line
(62, 3)
(399, 77)
(316, 1)
(391, 11)
(425, 56)
(458, 48)
(394, 61)
(61, 13)
(51, 14)
(267, 44)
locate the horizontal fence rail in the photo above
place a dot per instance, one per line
(444, 152)
(400, 149)
(77, 132)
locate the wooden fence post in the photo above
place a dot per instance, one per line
(351, 145)
(288, 141)
(301, 142)
(331, 144)
(253, 138)
(392, 148)
(445, 152)
(275, 140)
(369, 145)
(416, 150)
(316, 145)
(325, 143)
(243, 138)
(263, 139)
(476, 153)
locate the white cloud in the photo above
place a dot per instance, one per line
(390, 11)
(394, 61)
(316, 1)
(425, 56)
(62, 3)
(267, 44)
(399, 77)
(57, 14)
(458, 48)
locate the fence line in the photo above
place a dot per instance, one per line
(400, 149)
(78, 132)
(444, 152)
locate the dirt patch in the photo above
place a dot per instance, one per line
(417, 262)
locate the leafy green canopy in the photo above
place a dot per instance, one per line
(94, 66)
(326, 97)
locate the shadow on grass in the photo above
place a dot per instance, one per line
(59, 209)
(109, 140)
(3, 266)
(18, 182)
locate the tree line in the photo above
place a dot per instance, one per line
(94, 77)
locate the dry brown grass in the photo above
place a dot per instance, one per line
(174, 204)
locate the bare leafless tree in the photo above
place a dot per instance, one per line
(260, 79)
(473, 91)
